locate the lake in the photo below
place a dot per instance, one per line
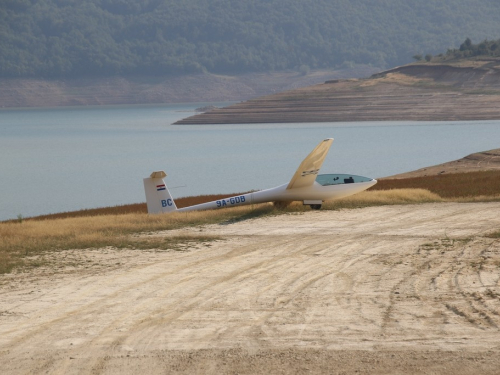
(64, 159)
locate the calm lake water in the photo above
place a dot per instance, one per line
(54, 160)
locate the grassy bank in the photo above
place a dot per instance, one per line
(31, 238)
(455, 185)
(22, 241)
(19, 240)
(133, 208)
(472, 186)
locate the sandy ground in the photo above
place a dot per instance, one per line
(400, 290)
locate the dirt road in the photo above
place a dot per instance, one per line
(401, 289)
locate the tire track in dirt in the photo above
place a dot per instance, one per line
(472, 306)
(178, 309)
(94, 308)
(243, 274)
(111, 281)
(237, 276)
(446, 264)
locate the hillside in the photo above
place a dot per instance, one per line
(440, 90)
(103, 38)
(202, 87)
(477, 162)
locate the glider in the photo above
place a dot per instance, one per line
(306, 185)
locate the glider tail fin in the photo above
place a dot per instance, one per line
(158, 197)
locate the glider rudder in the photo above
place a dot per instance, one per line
(158, 197)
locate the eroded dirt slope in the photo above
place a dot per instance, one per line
(478, 161)
(469, 90)
(400, 289)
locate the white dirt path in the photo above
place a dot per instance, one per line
(394, 289)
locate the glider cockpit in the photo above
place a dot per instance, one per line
(337, 179)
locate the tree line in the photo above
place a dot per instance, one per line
(78, 38)
(466, 49)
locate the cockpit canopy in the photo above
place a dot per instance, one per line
(338, 179)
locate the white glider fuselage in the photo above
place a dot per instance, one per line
(306, 185)
(316, 193)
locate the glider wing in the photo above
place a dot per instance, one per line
(310, 166)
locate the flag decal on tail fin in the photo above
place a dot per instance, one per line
(158, 197)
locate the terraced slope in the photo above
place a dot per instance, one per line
(464, 90)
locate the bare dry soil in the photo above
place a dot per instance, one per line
(380, 290)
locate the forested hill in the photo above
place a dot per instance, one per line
(76, 38)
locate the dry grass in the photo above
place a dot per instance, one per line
(470, 187)
(19, 240)
(383, 198)
(31, 238)
(369, 199)
(35, 237)
(398, 78)
(455, 185)
(133, 208)
(114, 210)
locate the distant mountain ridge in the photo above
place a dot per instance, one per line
(89, 38)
